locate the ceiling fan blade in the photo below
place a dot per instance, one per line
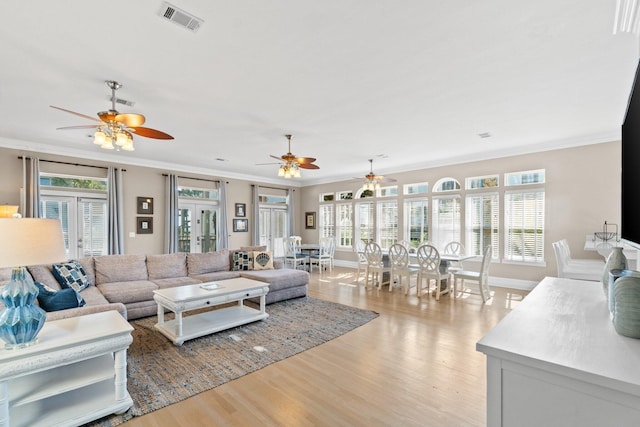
(79, 127)
(130, 120)
(73, 112)
(275, 157)
(304, 160)
(151, 133)
(383, 179)
(308, 166)
(270, 163)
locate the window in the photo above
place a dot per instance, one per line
(325, 222)
(416, 221)
(362, 194)
(366, 222)
(446, 220)
(388, 223)
(490, 181)
(198, 210)
(197, 193)
(388, 191)
(345, 225)
(446, 184)
(525, 178)
(482, 223)
(418, 188)
(345, 195)
(327, 197)
(524, 226)
(80, 203)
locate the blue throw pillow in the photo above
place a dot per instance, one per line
(71, 275)
(52, 300)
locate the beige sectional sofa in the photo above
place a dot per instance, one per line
(126, 282)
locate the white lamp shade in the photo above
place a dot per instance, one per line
(30, 241)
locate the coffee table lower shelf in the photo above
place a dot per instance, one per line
(209, 322)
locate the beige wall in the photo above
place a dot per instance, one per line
(137, 182)
(582, 191)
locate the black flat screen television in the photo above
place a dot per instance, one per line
(630, 189)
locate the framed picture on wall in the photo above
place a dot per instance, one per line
(310, 220)
(240, 225)
(145, 205)
(145, 225)
(241, 209)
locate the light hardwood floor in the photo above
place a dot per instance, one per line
(414, 365)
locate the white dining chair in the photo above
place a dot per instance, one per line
(362, 259)
(292, 257)
(400, 267)
(570, 268)
(375, 265)
(323, 257)
(429, 262)
(481, 276)
(454, 248)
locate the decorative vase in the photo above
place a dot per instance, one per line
(615, 261)
(626, 317)
(20, 319)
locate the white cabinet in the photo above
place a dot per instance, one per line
(556, 360)
(76, 373)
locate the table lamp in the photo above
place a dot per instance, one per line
(25, 241)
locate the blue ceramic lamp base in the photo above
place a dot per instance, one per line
(21, 319)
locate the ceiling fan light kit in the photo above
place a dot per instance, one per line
(115, 130)
(372, 181)
(291, 165)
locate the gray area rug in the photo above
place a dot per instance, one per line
(160, 374)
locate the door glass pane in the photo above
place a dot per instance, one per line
(207, 230)
(93, 227)
(184, 230)
(59, 209)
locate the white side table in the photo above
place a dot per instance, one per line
(76, 373)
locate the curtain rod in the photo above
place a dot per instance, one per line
(272, 188)
(197, 179)
(71, 164)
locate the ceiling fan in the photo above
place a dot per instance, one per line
(291, 165)
(372, 181)
(116, 128)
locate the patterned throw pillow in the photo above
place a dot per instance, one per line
(242, 261)
(52, 300)
(71, 275)
(262, 260)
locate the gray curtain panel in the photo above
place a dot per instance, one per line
(31, 187)
(171, 213)
(291, 212)
(255, 230)
(223, 226)
(114, 199)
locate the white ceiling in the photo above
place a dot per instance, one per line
(416, 80)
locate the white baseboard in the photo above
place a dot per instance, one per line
(499, 282)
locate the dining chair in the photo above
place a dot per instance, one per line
(400, 267)
(323, 257)
(429, 262)
(570, 268)
(292, 257)
(362, 259)
(481, 276)
(375, 265)
(454, 248)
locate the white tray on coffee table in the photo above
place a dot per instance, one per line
(191, 297)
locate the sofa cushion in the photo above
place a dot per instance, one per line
(54, 300)
(93, 296)
(172, 282)
(279, 279)
(253, 248)
(262, 260)
(242, 260)
(128, 291)
(71, 275)
(216, 275)
(120, 268)
(208, 262)
(42, 273)
(167, 266)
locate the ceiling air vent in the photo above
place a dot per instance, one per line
(180, 17)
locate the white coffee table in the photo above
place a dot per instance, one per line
(185, 298)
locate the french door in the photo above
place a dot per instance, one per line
(197, 227)
(273, 229)
(84, 223)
